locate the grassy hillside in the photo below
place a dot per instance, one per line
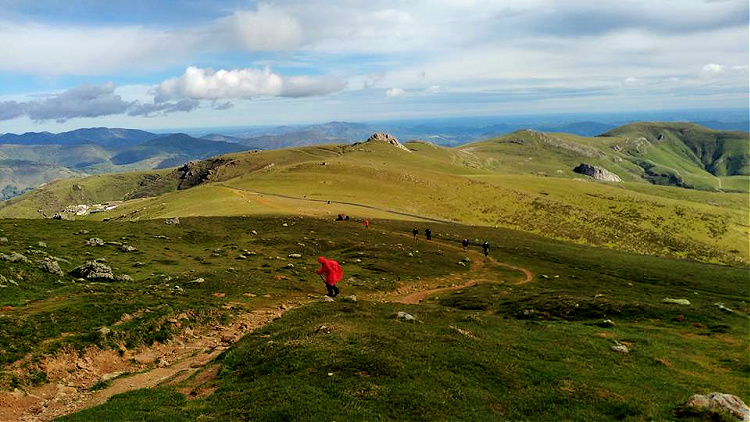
(499, 350)
(523, 181)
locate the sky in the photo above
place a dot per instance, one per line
(153, 64)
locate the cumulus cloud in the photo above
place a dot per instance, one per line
(267, 28)
(395, 92)
(11, 109)
(207, 84)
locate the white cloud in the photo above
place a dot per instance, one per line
(395, 92)
(711, 70)
(207, 84)
(435, 89)
(267, 28)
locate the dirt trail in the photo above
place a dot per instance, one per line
(193, 352)
(478, 274)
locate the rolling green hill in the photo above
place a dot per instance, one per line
(522, 181)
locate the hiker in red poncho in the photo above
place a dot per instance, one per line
(333, 273)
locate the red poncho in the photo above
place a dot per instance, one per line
(331, 269)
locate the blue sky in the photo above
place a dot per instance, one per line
(198, 63)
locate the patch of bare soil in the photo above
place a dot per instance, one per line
(73, 375)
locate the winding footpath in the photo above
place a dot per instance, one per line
(195, 353)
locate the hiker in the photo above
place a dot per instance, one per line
(486, 248)
(465, 243)
(415, 232)
(428, 233)
(367, 223)
(333, 273)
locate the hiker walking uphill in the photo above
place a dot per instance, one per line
(486, 248)
(428, 233)
(333, 274)
(415, 232)
(465, 243)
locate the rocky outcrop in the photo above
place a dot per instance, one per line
(597, 173)
(387, 138)
(720, 403)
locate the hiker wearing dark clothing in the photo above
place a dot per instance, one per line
(333, 274)
(428, 234)
(415, 232)
(486, 248)
(465, 243)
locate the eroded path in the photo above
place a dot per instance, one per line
(194, 352)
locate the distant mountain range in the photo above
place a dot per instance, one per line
(32, 158)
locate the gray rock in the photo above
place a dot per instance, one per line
(41, 244)
(110, 376)
(676, 301)
(290, 265)
(620, 348)
(94, 241)
(461, 263)
(198, 280)
(294, 255)
(172, 221)
(597, 173)
(51, 266)
(328, 298)
(124, 277)
(405, 316)
(720, 403)
(3, 240)
(104, 331)
(607, 323)
(113, 243)
(93, 270)
(15, 257)
(82, 232)
(128, 248)
(387, 138)
(138, 264)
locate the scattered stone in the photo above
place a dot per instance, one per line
(597, 173)
(328, 298)
(162, 362)
(161, 236)
(14, 257)
(324, 329)
(411, 254)
(82, 232)
(183, 315)
(93, 270)
(124, 277)
(128, 248)
(51, 266)
(290, 265)
(198, 280)
(353, 298)
(113, 243)
(545, 276)
(676, 301)
(461, 263)
(95, 241)
(41, 244)
(104, 331)
(294, 255)
(724, 308)
(405, 316)
(620, 348)
(3, 240)
(680, 318)
(254, 232)
(466, 259)
(285, 225)
(172, 221)
(219, 294)
(138, 264)
(720, 403)
(250, 294)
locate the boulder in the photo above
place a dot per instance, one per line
(597, 173)
(620, 348)
(720, 403)
(3, 240)
(405, 316)
(51, 266)
(94, 241)
(93, 270)
(172, 221)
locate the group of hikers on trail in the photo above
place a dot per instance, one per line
(331, 273)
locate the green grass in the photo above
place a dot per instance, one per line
(496, 351)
